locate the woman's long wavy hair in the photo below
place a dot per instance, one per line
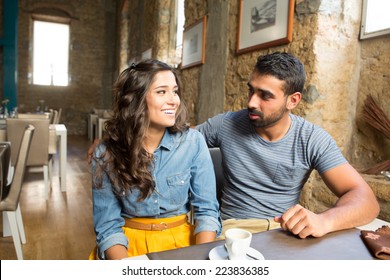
(126, 163)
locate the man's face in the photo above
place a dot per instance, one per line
(266, 100)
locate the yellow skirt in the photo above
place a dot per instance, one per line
(145, 241)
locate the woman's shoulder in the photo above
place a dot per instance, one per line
(192, 132)
(189, 134)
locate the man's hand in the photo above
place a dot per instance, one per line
(302, 222)
(92, 149)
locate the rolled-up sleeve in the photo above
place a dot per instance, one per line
(107, 217)
(203, 192)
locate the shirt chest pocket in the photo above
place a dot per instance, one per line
(291, 177)
(178, 186)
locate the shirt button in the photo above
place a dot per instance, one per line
(182, 182)
(155, 201)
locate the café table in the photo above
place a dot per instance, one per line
(278, 244)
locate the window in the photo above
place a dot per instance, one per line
(50, 53)
(375, 19)
(180, 24)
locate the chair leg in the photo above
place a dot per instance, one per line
(46, 179)
(19, 221)
(15, 234)
(50, 171)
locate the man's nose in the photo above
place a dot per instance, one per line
(253, 101)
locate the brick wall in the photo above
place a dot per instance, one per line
(92, 60)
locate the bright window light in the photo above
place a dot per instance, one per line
(375, 19)
(180, 23)
(51, 53)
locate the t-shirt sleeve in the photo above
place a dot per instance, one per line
(325, 154)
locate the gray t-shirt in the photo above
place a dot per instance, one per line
(263, 178)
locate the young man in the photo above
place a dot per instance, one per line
(268, 155)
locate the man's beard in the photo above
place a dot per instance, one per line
(266, 121)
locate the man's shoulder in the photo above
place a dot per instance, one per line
(301, 122)
(308, 128)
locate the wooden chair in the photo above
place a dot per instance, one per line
(33, 116)
(57, 121)
(10, 194)
(53, 119)
(40, 154)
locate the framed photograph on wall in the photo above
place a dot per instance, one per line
(264, 23)
(147, 54)
(194, 44)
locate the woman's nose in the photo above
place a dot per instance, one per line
(171, 97)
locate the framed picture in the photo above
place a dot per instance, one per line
(194, 43)
(147, 54)
(264, 23)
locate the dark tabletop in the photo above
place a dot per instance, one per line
(281, 245)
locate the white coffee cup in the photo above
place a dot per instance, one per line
(238, 242)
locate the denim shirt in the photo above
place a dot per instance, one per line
(184, 176)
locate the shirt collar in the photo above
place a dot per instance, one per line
(167, 141)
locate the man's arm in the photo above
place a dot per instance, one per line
(357, 205)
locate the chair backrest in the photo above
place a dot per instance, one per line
(5, 157)
(58, 116)
(11, 200)
(39, 153)
(99, 112)
(218, 170)
(33, 116)
(53, 119)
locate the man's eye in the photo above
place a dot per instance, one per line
(265, 96)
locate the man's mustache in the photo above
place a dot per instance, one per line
(255, 112)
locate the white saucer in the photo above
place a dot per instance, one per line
(220, 253)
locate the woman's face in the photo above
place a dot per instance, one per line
(163, 100)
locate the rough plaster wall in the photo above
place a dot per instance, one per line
(150, 26)
(370, 146)
(194, 10)
(212, 75)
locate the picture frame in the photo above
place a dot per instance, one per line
(147, 54)
(264, 23)
(194, 44)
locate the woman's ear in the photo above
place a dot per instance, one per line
(293, 100)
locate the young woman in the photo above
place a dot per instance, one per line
(150, 170)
